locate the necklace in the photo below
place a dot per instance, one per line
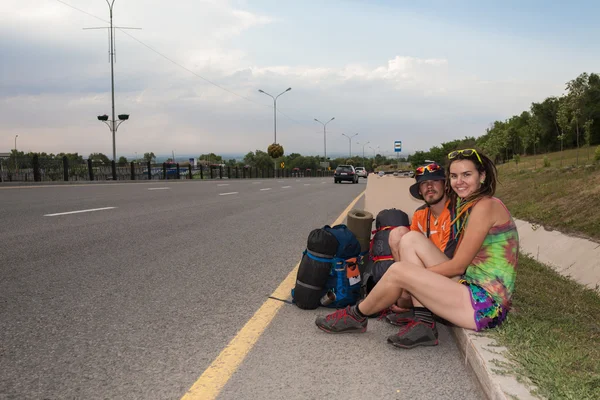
(435, 219)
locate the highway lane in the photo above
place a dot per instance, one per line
(137, 301)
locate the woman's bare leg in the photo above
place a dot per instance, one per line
(418, 249)
(443, 296)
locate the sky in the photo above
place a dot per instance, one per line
(420, 72)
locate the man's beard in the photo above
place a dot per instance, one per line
(432, 203)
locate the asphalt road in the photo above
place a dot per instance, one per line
(136, 301)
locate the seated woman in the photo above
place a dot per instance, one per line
(472, 290)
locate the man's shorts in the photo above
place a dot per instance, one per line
(488, 313)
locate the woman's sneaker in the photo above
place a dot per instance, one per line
(415, 333)
(342, 321)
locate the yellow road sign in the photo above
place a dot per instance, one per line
(282, 165)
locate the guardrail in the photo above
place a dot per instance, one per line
(40, 169)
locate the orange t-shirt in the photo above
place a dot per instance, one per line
(439, 229)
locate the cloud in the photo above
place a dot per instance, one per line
(55, 80)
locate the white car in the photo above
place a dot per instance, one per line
(361, 172)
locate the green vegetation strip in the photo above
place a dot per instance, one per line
(556, 197)
(553, 333)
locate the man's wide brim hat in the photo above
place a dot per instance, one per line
(427, 175)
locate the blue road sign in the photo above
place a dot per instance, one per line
(398, 146)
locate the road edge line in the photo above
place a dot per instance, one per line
(215, 377)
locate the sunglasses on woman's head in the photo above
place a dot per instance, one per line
(466, 153)
(430, 167)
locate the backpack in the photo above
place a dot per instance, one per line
(329, 265)
(380, 253)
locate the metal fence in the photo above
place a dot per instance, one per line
(42, 169)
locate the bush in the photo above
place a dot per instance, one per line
(597, 154)
(546, 162)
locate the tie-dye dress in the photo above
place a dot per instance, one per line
(491, 275)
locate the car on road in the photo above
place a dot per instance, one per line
(361, 172)
(345, 173)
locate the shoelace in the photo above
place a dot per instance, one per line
(339, 314)
(384, 313)
(410, 324)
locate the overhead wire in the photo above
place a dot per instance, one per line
(181, 66)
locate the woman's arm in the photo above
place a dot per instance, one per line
(481, 219)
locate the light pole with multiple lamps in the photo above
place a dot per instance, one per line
(112, 124)
(275, 110)
(325, 137)
(350, 143)
(16, 136)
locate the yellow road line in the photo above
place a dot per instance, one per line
(213, 379)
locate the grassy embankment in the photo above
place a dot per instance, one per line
(553, 335)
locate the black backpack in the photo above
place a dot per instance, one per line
(329, 264)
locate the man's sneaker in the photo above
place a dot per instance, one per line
(415, 333)
(400, 319)
(341, 321)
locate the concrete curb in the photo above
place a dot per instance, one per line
(486, 359)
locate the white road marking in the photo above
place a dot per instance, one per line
(307, 184)
(223, 184)
(265, 189)
(227, 194)
(79, 211)
(279, 181)
(256, 183)
(160, 188)
(323, 182)
(286, 187)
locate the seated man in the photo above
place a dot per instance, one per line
(432, 219)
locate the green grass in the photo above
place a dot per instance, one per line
(561, 198)
(553, 333)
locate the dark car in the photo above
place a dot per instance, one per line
(345, 173)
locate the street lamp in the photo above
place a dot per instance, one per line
(350, 142)
(113, 126)
(275, 110)
(325, 137)
(364, 150)
(16, 136)
(123, 117)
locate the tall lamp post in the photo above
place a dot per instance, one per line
(324, 137)
(350, 143)
(113, 123)
(16, 136)
(364, 150)
(275, 110)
